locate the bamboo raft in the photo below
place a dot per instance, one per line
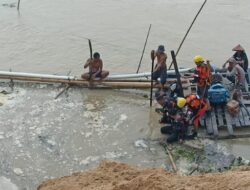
(219, 124)
(113, 82)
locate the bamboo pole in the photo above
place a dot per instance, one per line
(178, 76)
(171, 159)
(143, 49)
(18, 5)
(189, 30)
(151, 86)
(98, 83)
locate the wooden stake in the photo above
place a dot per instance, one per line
(151, 88)
(171, 159)
(18, 5)
(64, 90)
(178, 76)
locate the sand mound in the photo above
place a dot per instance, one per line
(112, 175)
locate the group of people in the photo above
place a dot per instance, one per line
(181, 112)
(178, 113)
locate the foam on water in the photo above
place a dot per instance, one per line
(6, 184)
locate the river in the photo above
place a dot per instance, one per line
(51, 37)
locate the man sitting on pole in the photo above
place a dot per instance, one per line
(95, 68)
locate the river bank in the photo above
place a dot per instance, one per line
(44, 138)
(112, 175)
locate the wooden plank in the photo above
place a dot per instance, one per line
(229, 123)
(208, 123)
(246, 117)
(214, 123)
(220, 116)
(242, 116)
(236, 121)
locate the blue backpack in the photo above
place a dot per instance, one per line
(218, 94)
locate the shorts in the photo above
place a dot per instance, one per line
(99, 75)
(162, 74)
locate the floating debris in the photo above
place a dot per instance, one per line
(18, 171)
(141, 143)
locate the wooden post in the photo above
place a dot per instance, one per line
(178, 76)
(18, 5)
(152, 69)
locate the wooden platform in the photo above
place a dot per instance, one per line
(220, 124)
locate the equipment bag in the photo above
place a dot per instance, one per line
(218, 94)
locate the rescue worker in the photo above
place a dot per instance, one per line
(160, 70)
(168, 108)
(196, 108)
(167, 100)
(178, 128)
(202, 76)
(237, 75)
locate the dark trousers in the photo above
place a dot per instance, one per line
(173, 134)
(162, 74)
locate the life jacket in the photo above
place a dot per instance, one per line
(194, 102)
(198, 107)
(203, 73)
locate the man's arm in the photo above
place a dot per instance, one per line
(87, 63)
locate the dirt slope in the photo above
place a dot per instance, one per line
(112, 175)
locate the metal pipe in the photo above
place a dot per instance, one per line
(22, 74)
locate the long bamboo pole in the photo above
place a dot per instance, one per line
(143, 49)
(189, 30)
(18, 5)
(85, 83)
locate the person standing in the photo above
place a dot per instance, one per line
(160, 70)
(95, 68)
(202, 76)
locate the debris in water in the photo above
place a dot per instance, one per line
(141, 143)
(18, 171)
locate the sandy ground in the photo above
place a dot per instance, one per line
(112, 175)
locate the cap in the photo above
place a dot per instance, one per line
(161, 48)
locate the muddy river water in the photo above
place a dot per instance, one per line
(42, 137)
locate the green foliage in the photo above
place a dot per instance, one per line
(181, 152)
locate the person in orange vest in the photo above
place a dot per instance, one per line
(196, 108)
(202, 76)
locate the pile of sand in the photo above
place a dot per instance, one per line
(112, 175)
